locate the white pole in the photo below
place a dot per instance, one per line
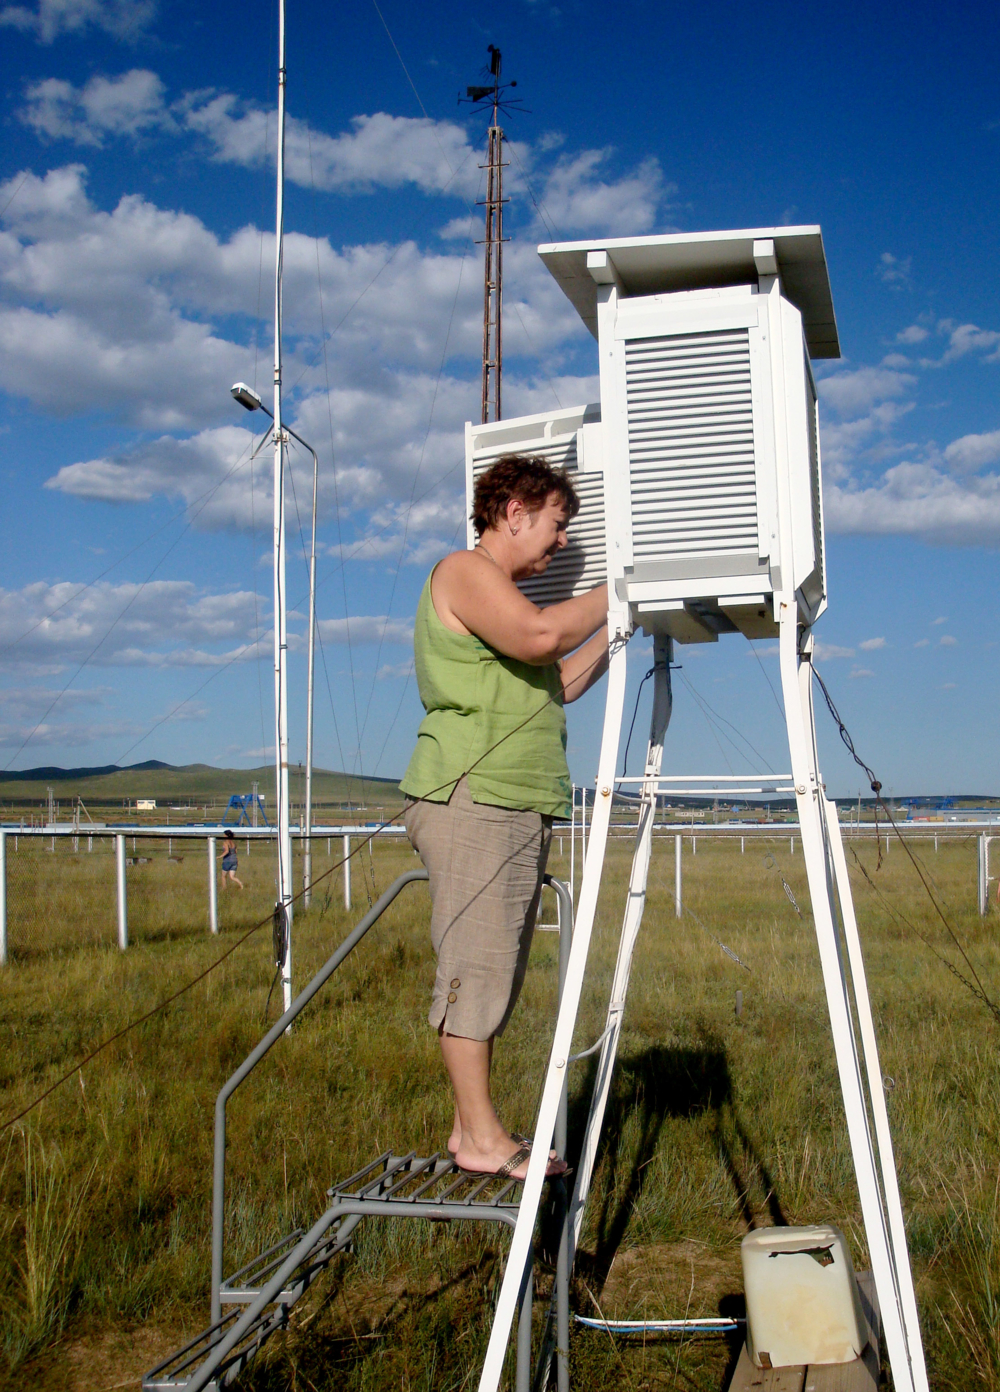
(583, 831)
(572, 843)
(307, 853)
(678, 896)
(122, 895)
(347, 872)
(3, 898)
(983, 888)
(284, 831)
(213, 888)
(742, 847)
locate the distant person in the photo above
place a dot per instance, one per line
(489, 773)
(229, 862)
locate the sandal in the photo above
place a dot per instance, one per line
(520, 1155)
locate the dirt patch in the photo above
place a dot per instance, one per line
(105, 1360)
(670, 1280)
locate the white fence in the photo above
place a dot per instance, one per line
(69, 901)
(54, 908)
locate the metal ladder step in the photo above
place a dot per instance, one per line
(393, 1185)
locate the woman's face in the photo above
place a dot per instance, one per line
(541, 534)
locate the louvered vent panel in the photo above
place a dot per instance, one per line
(583, 563)
(690, 431)
(815, 483)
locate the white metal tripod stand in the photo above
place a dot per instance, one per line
(843, 976)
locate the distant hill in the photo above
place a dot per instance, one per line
(51, 774)
(187, 784)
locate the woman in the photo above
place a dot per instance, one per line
(229, 861)
(489, 772)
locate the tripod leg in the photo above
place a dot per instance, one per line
(905, 1353)
(876, 1093)
(555, 1075)
(634, 908)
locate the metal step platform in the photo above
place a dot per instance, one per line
(391, 1186)
(261, 1293)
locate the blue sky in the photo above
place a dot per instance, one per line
(136, 253)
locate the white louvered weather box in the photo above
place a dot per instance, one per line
(566, 439)
(706, 435)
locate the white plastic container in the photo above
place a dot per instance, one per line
(802, 1297)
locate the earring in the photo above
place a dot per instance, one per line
(513, 531)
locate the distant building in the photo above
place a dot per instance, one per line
(145, 804)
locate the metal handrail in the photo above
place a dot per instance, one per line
(251, 1061)
(306, 1242)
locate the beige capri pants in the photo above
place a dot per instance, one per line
(485, 866)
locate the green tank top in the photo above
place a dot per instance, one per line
(476, 701)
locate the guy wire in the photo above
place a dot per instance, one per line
(876, 788)
(615, 645)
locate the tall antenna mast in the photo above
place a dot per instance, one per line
(283, 908)
(493, 94)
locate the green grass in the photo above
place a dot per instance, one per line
(715, 1122)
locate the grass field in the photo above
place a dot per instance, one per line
(716, 1122)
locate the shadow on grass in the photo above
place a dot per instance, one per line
(404, 1332)
(648, 1089)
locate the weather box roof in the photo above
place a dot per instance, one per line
(701, 261)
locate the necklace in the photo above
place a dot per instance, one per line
(493, 558)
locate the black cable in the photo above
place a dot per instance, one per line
(876, 788)
(631, 727)
(615, 645)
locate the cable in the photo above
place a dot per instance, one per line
(617, 644)
(899, 917)
(876, 788)
(549, 225)
(777, 700)
(631, 727)
(409, 510)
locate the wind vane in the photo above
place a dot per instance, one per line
(494, 95)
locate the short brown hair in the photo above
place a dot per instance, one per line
(525, 477)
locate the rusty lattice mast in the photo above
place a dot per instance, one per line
(492, 401)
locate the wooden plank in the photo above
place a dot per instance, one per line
(860, 1375)
(748, 1376)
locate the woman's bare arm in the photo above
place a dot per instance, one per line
(472, 595)
(583, 668)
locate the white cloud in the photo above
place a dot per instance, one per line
(577, 199)
(122, 19)
(922, 643)
(860, 672)
(947, 686)
(46, 627)
(914, 333)
(210, 471)
(871, 644)
(380, 150)
(366, 628)
(947, 641)
(964, 339)
(941, 620)
(853, 393)
(973, 452)
(826, 651)
(390, 671)
(131, 104)
(894, 270)
(922, 501)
